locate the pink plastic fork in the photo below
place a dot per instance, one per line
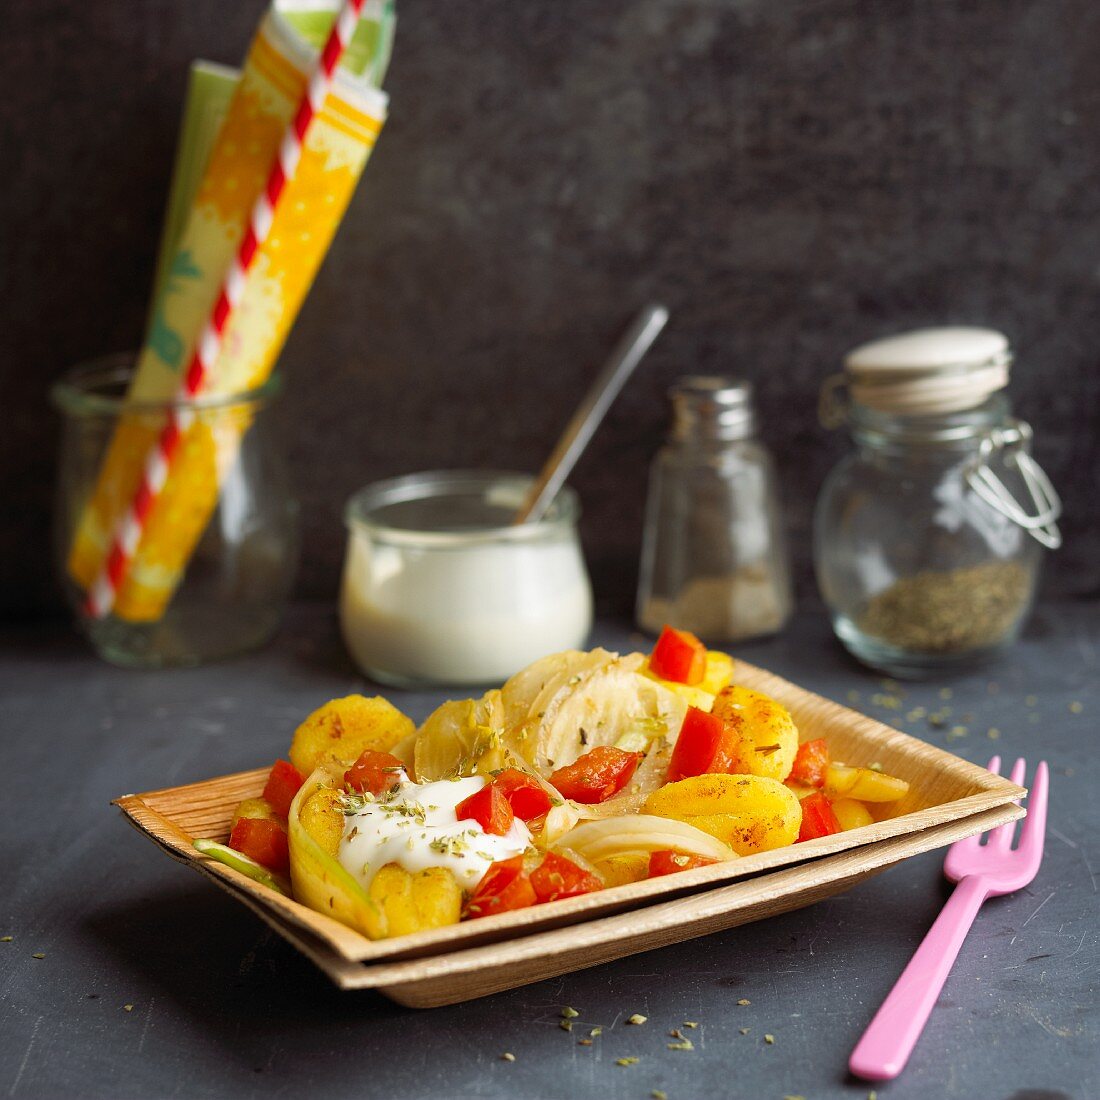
(981, 872)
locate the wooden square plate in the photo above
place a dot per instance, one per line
(461, 975)
(948, 798)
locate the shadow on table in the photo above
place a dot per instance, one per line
(215, 969)
(227, 972)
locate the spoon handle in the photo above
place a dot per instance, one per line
(634, 343)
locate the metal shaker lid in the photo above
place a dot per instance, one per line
(712, 406)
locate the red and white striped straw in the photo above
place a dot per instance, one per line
(127, 536)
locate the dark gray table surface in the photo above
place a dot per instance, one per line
(220, 1006)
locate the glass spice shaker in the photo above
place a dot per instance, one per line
(714, 558)
(924, 554)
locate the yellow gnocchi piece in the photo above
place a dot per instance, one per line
(322, 817)
(619, 870)
(341, 730)
(864, 784)
(750, 813)
(768, 735)
(415, 902)
(851, 814)
(318, 879)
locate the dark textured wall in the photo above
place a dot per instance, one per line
(791, 176)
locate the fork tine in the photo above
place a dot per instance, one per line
(1019, 770)
(1034, 829)
(995, 765)
(1001, 838)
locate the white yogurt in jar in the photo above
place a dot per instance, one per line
(439, 588)
(416, 827)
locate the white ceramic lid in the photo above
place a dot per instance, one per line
(930, 370)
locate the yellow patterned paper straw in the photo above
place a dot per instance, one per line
(335, 151)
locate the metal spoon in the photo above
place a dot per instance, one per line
(627, 354)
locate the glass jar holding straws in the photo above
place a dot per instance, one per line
(239, 573)
(926, 554)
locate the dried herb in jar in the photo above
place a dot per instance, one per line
(950, 611)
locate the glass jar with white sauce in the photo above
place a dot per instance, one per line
(929, 535)
(440, 587)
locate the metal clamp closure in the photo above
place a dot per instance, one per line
(1012, 441)
(832, 404)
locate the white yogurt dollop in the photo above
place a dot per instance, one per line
(417, 828)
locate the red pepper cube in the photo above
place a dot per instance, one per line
(282, 785)
(374, 772)
(818, 818)
(526, 796)
(597, 775)
(504, 887)
(489, 808)
(679, 656)
(557, 877)
(810, 763)
(262, 840)
(705, 746)
(668, 862)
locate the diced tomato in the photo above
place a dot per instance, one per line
(597, 775)
(668, 862)
(810, 763)
(282, 786)
(818, 818)
(374, 771)
(489, 808)
(557, 877)
(705, 746)
(261, 840)
(525, 795)
(505, 886)
(679, 656)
